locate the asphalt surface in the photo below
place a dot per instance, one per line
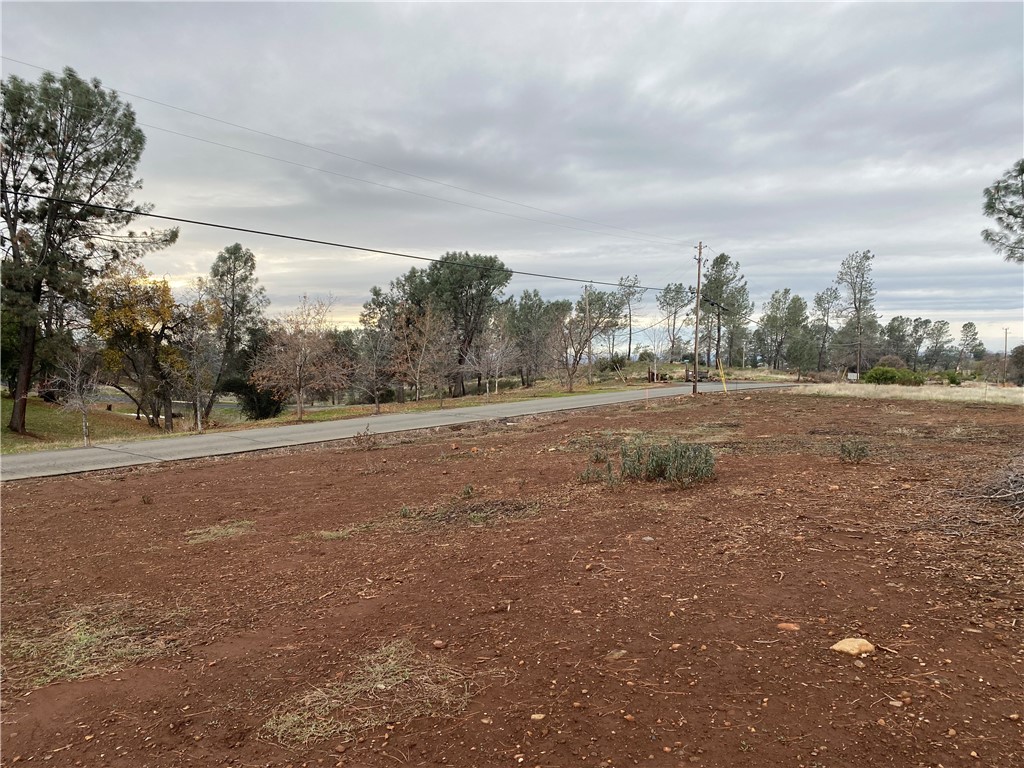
(111, 455)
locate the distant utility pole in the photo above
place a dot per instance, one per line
(696, 317)
(1006, 336)
(590, 336)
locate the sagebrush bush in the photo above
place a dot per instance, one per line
(853, 451)
(675, 462)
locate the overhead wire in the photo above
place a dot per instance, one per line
(644, 236)
(311, 240)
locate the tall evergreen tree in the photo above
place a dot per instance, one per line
(854, 280)
(77, 145)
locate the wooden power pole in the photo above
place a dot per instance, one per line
(696, 318)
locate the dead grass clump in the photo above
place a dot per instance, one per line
(390, 685)
(469, 512)
(344, 533)
(85, 641)
(1007, 488)
(219, 531)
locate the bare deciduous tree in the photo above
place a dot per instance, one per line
(301, 356)
(78, 380)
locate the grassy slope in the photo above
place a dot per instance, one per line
(51, 427)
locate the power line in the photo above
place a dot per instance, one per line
(644, 235)
(372, 183)
(394, 188)
(314, 241)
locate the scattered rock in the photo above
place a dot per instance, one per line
(895, 703)
(1015, 717)
(854, 646)
(614, 655)
(628, 718)
(440, 643)
(538, 716)
(859, 664)
(788, 626)
(648, 538)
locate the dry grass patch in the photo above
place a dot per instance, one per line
(343, 533)
(85, 641)
(475, 512)
(964, 394)
(219, 531)
(393, 684)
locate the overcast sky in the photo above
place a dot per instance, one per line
(786, 135)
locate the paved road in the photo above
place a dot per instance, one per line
(111, 455)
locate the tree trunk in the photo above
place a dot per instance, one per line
(24, 382)
(168, 414)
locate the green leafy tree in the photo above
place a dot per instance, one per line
(826, 305)
(76, 143)
(233, 283)
(897, 340)
(970, 346)
(938, 339)
(725, 299)
(536, 326)
(918, 334)
(1015, 369)
(782, 321)
(1004, 204)
(466, 287)
(673, 302)
(632, 295)
(855, 281)
(257, 402)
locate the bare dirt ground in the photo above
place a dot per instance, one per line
(461, 598)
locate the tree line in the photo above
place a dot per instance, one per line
(79, 308)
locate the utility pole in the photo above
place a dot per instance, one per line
(696, 318)
(590, 335)
(1006, 336)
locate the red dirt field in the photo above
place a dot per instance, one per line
(462, 598)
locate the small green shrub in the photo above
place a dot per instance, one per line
(883, 374)
(615, 362)
(908, 378)
(853, 451)
(605, 475)
(953, 378)
(676, 462)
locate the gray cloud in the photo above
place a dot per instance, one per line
(787, 135)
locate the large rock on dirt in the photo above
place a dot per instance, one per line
(854, 646)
